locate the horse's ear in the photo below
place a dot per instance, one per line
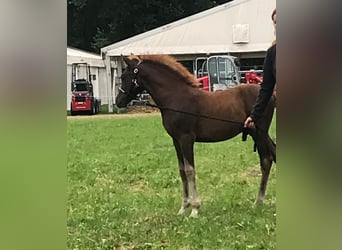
(126, 60)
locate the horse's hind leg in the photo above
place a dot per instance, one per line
(266, 151)
(186, 198)
(266, 164)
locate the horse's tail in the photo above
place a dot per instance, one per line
(244, 134)
(252, 133)
(260, 133)
(263, 141)
(271, 145)
(272, 149)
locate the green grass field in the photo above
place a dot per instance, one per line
(124, 190)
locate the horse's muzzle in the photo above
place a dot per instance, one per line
(121, 100)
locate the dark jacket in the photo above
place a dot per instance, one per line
(267, 86)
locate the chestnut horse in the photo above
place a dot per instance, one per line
(191, 115)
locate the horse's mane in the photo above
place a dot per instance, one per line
(171, 63)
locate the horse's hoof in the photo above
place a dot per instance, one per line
(194, 213)
(181, 211)
(258, 203)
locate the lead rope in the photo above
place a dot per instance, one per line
(244, 130)
(188, 113)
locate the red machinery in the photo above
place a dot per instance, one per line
(204, 81)
(217, 72)
(83, 99)
(252, 77)
(221, 72)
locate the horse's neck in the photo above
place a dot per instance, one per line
(164, 94)
(165, 88)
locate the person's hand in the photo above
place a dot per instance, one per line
(249, 123)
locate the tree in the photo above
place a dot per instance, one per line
(93, 24)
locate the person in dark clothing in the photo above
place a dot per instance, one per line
(268, 84)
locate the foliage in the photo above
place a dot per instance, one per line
(124, 190)
(93, 24)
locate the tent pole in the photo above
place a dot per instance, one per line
(109, 83)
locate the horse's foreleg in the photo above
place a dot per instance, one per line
(187, 146)
(191, 176)
(186, 198)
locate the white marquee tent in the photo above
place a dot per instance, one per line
(236, 27)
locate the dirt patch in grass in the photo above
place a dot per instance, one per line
(132, 111)
(141, 109)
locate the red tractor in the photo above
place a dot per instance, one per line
(83, 100)
(221, 72)
(217, 72)
(252, 77)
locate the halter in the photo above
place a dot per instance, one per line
(134, 79)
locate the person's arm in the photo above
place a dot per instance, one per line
(267, 86)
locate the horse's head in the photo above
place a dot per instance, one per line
(130, 87)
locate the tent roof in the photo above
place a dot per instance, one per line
(237, 26)
(77, 55)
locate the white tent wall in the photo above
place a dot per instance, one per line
(102, 83)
